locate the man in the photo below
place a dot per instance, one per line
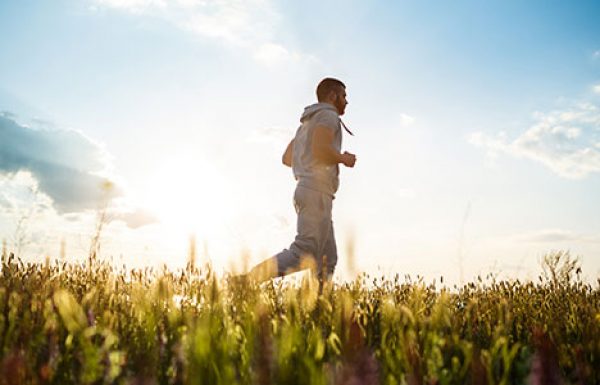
(314, 155)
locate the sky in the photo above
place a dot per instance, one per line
(477, 131)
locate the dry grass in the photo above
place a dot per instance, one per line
(93, 324)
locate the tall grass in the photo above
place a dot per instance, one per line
(94, 324)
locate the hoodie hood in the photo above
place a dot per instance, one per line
(314, 108)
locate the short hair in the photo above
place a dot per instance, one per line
(326, 86)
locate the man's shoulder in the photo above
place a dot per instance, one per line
(328, 112)
(328, 118)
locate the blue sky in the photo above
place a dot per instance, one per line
(477, 129)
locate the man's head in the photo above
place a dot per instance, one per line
(332, 91)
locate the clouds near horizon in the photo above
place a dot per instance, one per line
(66, 165)
(556, 236)
(59, 169)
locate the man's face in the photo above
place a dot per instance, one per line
(340, 101)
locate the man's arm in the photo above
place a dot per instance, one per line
(323, 150)
(287, 155)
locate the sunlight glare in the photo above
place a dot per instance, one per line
(190, 197)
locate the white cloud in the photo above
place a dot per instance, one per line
(67, 166)
(596, 89)
(132, 5)
(59, 171)
(555, 236)
(19, 191)
(249, 24)
(564, 141)
(271, 134)
(237, 22)
(134, 219)
(406, 120)
(273, 55)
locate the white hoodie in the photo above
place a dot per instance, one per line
(309, 172)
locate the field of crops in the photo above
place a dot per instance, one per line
(94, 324)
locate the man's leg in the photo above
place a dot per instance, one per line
(275, 266)
(314, 218)
(313, 228)
(329, 259)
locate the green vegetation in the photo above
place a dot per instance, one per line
(93, 324)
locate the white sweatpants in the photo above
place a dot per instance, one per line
(315, 239)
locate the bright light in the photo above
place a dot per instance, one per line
(189, 197)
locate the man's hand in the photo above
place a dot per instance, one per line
(348, 159)
(323, 150)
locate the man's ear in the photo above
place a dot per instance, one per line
(336, 97)
(333, 96)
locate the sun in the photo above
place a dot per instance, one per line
(189, 196)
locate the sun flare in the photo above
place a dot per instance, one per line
(189, 197)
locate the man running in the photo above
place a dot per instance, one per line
(314, 155)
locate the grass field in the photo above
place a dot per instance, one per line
(94, 324)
